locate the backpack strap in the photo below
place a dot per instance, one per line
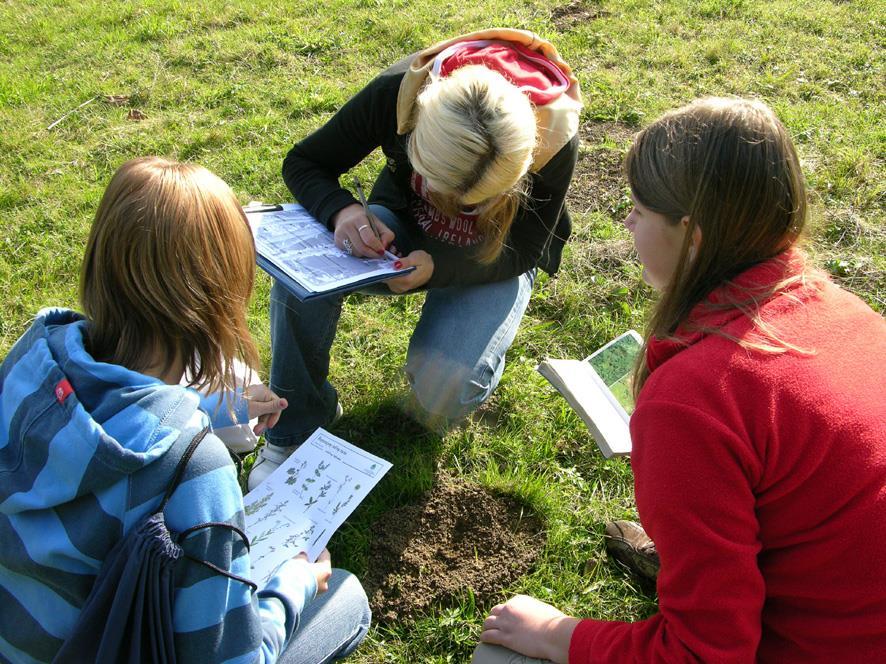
(173, 485)
(224, 572)
(182, 535)
(180, 468)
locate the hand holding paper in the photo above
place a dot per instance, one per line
(264, 405)
(423, 263)
(302, 503)
(321, 568)
(310, 261)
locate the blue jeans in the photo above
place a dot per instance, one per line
(455, 359)
(332, 626)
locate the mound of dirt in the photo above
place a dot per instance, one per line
(458, 537)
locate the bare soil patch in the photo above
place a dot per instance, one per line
(603, 257)
(567, 16)
(459, 537)
(598, 182)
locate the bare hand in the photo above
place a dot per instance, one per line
(351, 223)
(424, 268)
(530, 627)
(264, 405)
(322, 569)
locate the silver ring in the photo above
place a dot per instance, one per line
(349, 248)
(362, 227)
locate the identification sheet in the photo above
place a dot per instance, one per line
(299, 250)
(302, 503)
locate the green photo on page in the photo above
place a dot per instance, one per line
(614, 363)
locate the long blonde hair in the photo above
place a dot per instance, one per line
(473, 142)
(168, 271)
(730, 166)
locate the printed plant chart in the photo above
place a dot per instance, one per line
(302, 503)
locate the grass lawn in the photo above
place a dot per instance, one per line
(232, 85)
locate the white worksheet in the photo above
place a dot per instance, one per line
(304, 250)
(302, 503)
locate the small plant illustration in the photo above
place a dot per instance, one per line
(261, 537)
(341, 505)
(343, 484)
(274, 510)
(294, 473)
(297, 539)
(252, 508)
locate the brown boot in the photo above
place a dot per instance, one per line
(627, 542)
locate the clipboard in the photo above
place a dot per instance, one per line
(299, 251)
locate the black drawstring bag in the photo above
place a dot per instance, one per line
(128, 614)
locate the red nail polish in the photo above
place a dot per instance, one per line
(397, 265)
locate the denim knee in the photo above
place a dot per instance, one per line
(355, 608)
(333, 625)
(350, 585)
(449, 391)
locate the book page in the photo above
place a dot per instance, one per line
(599, 389)
(304, 249)
(302, 503)
(614, 363)
(587, 394)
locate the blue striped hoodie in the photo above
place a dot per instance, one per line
(86, 451)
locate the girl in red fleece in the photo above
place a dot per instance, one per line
(760, 429)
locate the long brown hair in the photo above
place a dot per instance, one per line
(168, 272)
(729, 166)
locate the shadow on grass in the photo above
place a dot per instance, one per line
(384, 429)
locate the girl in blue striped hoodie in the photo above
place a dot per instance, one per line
(93, 423)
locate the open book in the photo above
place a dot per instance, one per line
(300, 252)
(599, 389)
(301, 504)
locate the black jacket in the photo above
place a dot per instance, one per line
(368, 120)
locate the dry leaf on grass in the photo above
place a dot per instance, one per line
(116, 100)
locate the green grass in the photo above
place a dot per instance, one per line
(233, 84)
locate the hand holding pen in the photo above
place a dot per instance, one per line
(359, 232)
(369, 216)
(421, 261)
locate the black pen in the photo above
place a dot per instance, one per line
(369, 215)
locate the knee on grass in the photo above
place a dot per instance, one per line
(448, 392)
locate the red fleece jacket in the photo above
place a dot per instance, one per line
(762, 480)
